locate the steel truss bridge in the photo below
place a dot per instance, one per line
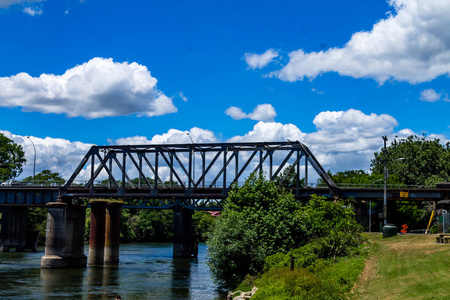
(195, 176)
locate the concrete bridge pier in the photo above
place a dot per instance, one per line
(112, 233)
(97, 233)
(184, 241)
(14, 223)
(64, 245)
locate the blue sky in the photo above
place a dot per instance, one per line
(336, 75)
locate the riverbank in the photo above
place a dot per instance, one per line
(402, 267)
(405, 267)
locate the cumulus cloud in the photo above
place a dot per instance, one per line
(430, 95)
(96, 89)
(8, 3)
(259, 61)
(263, 112)
(58, 155)
(343, 140)
(173, 136)
(410, 45)
(270, 132)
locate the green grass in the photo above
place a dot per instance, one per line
(323, 280)
(402, 267)
(406, 267)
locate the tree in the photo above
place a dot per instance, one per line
(47, 177)
(12, 158)
(361, 178)
(415, 160)
(288, 178)
(259, 219)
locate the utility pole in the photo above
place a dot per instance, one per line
(385, 183)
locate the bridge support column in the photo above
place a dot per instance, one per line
(184, 240)
(14, 222)
(97, 232)
(64, 244)
(112, 236)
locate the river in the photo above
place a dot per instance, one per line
(146, 271)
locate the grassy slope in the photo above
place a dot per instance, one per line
(406, 267)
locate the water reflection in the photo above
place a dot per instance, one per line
(181, 274)
(146, 271)
(62, 283)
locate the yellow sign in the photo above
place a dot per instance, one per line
(403, 194)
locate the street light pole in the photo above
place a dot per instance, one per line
(34, 161)
(193, 152)
(385, 183)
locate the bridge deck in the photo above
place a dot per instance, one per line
(202, 198)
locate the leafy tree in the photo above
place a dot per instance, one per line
(361, 178)
(144, 225)
(12, 158)
(288, 178)
(203, 222)
(47, 177)
(37, 221)
(259, 219)
(415, 160)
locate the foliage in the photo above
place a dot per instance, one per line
(400, 212)
(143, 225)
(234, 250)
(203, 222)
(330, 230)
(12, 158)
(37, 221)
(321, 280)
(47, 177)
(261, 219)
(362, 178)
(415, 160)
(288, 178)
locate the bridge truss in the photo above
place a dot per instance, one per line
(197, 176)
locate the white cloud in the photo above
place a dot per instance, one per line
(173, 136)
(270, 132)
(263, 112)
(33, 11)
(8, 3)
(182, 96)
(259, 61)
(58, 155)
(96, 89)
(411, 45)
(430, 95)
(344, 140)
(317, 91)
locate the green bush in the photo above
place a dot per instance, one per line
(258, 220)
(262, 223)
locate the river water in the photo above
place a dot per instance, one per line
(146, 271)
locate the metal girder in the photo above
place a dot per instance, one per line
(121, 163)
(28, 196)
